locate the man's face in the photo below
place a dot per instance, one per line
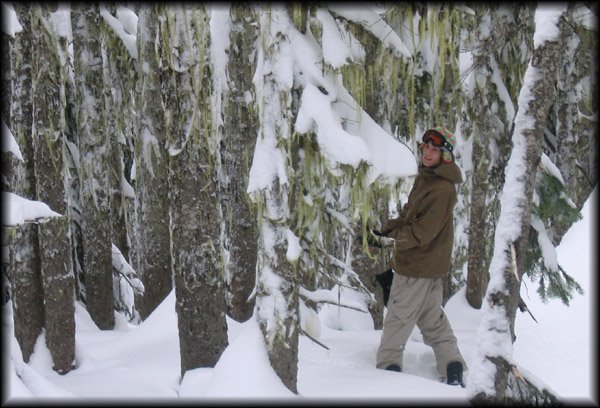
(432, 156)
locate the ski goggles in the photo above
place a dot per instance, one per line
(436, 139)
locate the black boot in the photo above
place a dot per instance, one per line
(394, 367)
(455, 373)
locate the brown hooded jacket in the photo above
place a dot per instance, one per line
(424, 232)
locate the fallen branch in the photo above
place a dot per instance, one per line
(313, 339)
(313, 302)
(523, 308)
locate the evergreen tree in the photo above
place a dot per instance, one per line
(570, 136)
(160, 162)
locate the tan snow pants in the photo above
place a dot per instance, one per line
(417, 301)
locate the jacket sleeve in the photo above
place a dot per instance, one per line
(394, 223)
(434, 211)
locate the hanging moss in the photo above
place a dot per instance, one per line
(52, 134)
(316, 28)
(354, 80)
(299, 15)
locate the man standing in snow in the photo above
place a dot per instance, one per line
(423, 236)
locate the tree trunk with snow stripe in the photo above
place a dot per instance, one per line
(276, 282)
(512, 232)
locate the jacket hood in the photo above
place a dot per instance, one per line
(449, 171)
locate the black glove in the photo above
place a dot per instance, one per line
(385, 281)
(372, 239)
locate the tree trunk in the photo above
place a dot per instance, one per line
(152, 240)
(481, 137)
(574, 148)
(194, 202)
(240, 127)
(503, 296)
(49, 139)
(94, 149)
(24, 261)
(367, 268)
(8, 163)
(280, 327)
(119, 69)
(277, 293)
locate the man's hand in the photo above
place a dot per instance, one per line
(378, 233)
(373, 241)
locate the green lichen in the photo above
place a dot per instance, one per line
(299, 16)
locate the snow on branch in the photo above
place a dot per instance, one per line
(326, 296)
(124, 27)
(9, 144)
(340, 122)
(339, 46)
(10, 22)
(374, 23)
(19, 210)
(126, 283)
(549, 254)
(124, 269)
(338, 145)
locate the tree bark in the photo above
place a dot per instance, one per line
(575, 147)
(529, 128)
(152, 239)
(367, 268)
(24, 262)
(277, 281)
(281, 335)
(119, 69)
(8, 163)
(193, 190)
(94, 149)
(481, 136)
(49, 139)
(240, 127)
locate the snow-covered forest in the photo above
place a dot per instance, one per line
(238, 155)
